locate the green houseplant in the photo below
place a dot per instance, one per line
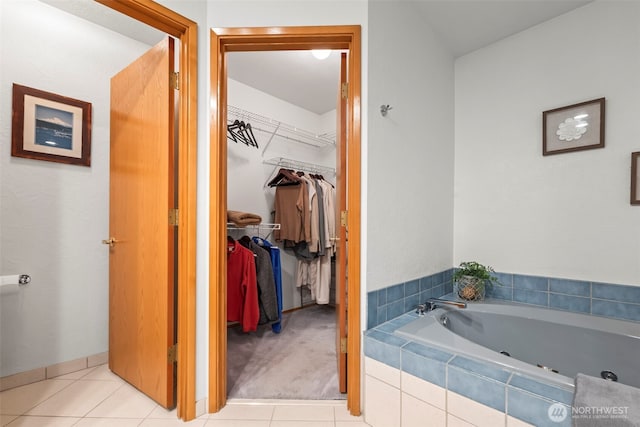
(471, 278)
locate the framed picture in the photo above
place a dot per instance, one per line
(46, 126)
(635, 178)
(573, 128)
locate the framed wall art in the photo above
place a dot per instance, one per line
(50, 127)
(575, 127)
(635, 178)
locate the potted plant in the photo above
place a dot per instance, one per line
(471, 278)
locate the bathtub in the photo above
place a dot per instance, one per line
(547, 344)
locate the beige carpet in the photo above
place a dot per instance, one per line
(297, 363)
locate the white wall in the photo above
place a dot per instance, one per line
(54, 216)
(247, 174)
(410, 205)
(565, 215)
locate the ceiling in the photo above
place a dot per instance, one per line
(467, 25)
(297, 77)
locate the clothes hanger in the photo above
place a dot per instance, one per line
(284, 177)
(250, 136)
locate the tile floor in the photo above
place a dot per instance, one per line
(95, 397)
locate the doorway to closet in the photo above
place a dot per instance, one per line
(282, 119)
(223, 42)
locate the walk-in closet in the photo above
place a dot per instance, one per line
(281, 225)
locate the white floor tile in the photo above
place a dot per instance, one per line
(172, 423)
(75, 375)
(126, 402)
(351, 424)
(284, 423)
(244, 412)
(102, 372)
(237, 423)
(77, 399)
(303, 413)
(160, 412)
(108, 422)
(6, 419)
(19, 400)
(29, 421)
(342, 414)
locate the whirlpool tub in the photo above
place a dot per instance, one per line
(548, 344)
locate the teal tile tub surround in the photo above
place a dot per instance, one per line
(598, 299)
(508, 385)
(393, 301)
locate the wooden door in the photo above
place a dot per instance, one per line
(341, 255)
(142, 260)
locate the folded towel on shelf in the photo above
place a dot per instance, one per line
(598, 402)
(242, 219)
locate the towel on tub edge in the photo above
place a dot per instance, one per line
(602, 403)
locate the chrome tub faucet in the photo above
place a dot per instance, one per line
(433, 303)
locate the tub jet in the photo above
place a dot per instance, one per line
(609, 376)
(546, 368)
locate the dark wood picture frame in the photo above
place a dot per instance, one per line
(575, 127)
(50, 127)
(635, 178)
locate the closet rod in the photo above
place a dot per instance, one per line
(263, 226)
(282, 162)
(280, 129)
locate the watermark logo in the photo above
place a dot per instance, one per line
(599, 412)
(557, 412)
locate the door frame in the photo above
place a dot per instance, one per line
(176, 25)
(224, 40)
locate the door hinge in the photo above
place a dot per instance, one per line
(173, 217)
(172, 354)
(345, 90)
(175, 80)
(343, 345)
(343, 218)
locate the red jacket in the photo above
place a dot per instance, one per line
(242, 287)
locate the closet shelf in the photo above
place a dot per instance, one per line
(279, 129)
(282, 162)
(263, 226)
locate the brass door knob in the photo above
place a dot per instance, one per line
(111, 241)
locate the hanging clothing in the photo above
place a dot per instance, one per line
(274, 252)
(313, 214)
(329, 197)
(242, 288)
(291, 205)
(267, 299)
(312, 208)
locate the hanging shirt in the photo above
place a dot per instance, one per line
(313, 244)
(329, 196)
(291, 205)
(242, 288)
(274, 251)
(267, 298)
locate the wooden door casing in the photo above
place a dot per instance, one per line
(225, 40)
(341, 231)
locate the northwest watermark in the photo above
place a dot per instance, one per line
(558, 412)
